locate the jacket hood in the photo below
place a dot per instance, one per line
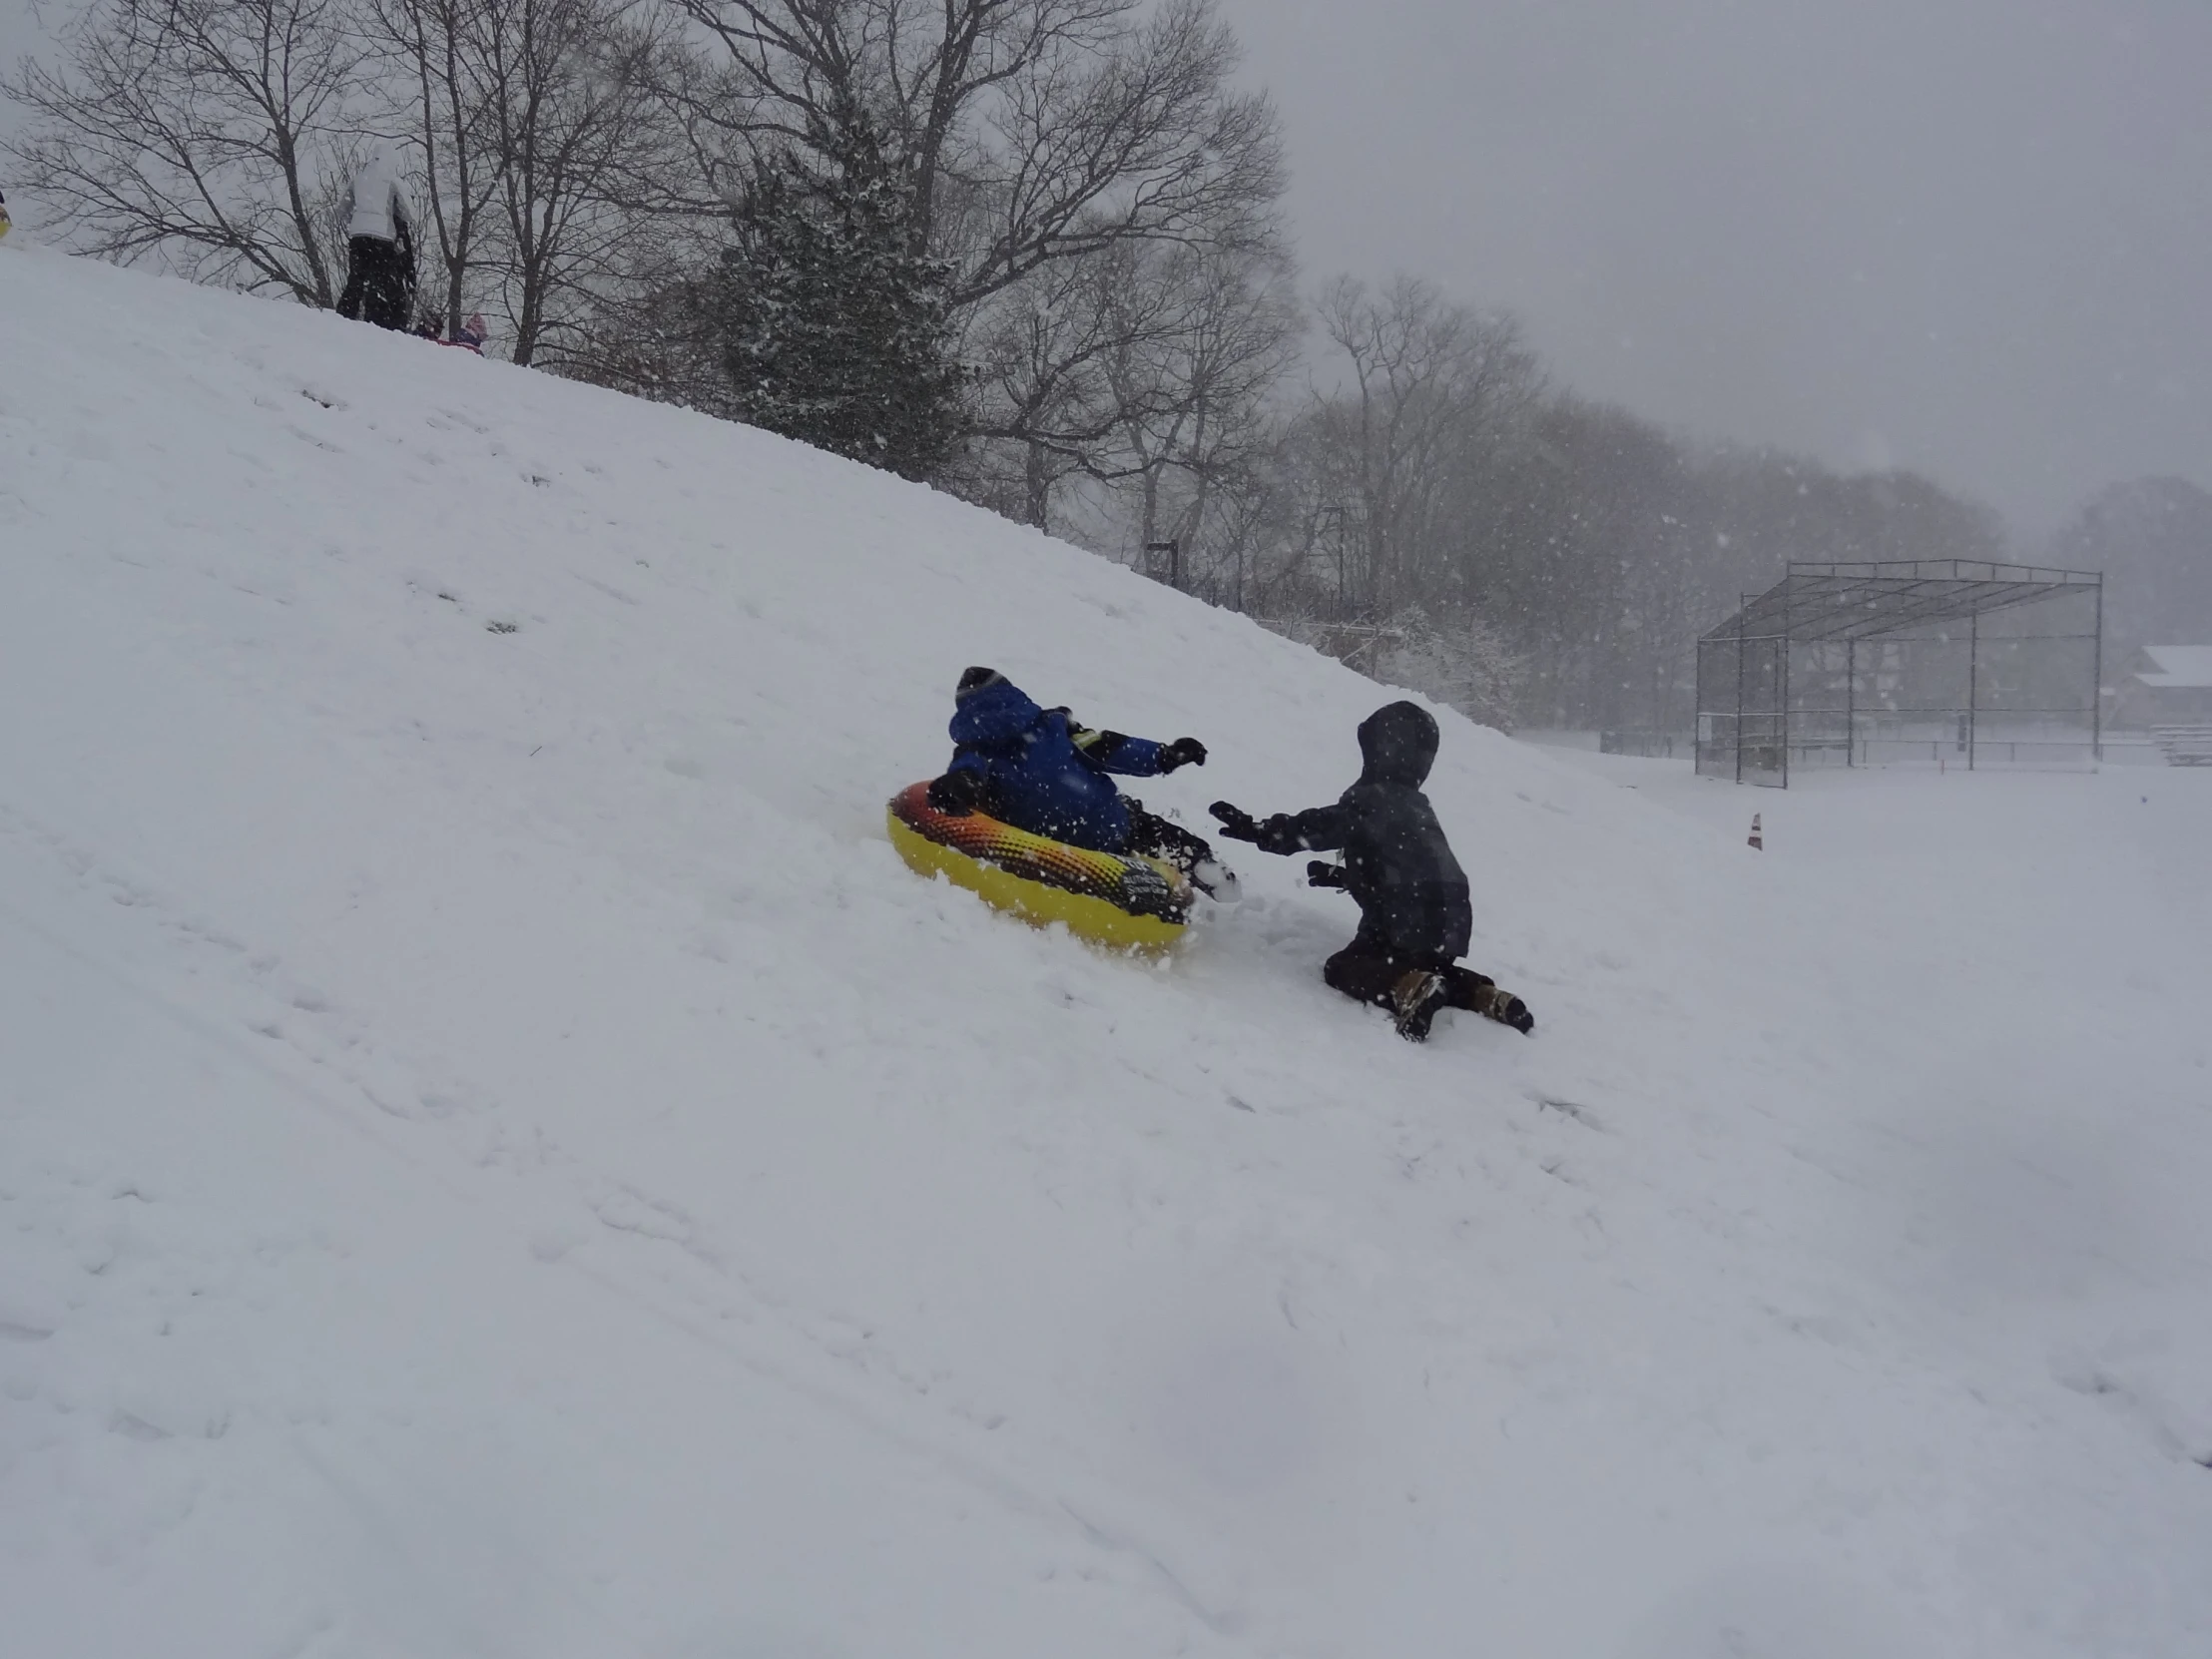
(1398, 744)
(974, 680)
(992, 714)
(378, 209)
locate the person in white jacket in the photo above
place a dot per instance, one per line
(380, 249)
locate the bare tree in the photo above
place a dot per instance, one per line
(1435, 391)
(1055, 153)
(573, 132)
(1192, 385)
(210, 134)
(1047, 349)
(540, 144)
(1032, 131)
(1142, 367)
(429, 47)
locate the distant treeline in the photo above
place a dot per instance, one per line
(1032, 252)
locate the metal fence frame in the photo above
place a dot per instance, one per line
(1748, 721)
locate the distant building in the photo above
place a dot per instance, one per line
(2171, 686)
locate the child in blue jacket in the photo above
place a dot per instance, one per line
(1040, 771)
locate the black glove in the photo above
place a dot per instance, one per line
(1183, 752)
(957, 792)
(1321, 874)
(1236, 822)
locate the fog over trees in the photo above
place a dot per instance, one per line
(1033, 251)
(2153, 540)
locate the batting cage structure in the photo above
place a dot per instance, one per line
(1928, 662)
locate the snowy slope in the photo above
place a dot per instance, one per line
(498, 1156)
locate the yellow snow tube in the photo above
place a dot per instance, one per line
(1121, 900)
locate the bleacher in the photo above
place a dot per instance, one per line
(2184, 745)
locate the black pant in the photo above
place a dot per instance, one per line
(1155, 836)
(1362, 972)
(379, 283)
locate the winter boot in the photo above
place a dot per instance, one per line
(1506, 1008)
(1414, 1000)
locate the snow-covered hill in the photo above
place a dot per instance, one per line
(498, 1156)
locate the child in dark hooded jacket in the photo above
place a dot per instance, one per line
(1039, 770)
(1415, 918)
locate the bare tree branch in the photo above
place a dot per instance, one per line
(213, 135)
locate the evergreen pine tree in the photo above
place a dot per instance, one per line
(836, 330)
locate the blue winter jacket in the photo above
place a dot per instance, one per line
(1044, 773)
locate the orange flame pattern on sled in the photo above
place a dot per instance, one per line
(1112, 898)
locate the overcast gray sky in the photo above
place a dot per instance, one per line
(18, 32)
(1969, 236)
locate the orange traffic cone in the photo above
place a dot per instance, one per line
(1757, 842)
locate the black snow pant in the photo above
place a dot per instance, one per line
(379, 283)
(1150, 834)
(1366, 971)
